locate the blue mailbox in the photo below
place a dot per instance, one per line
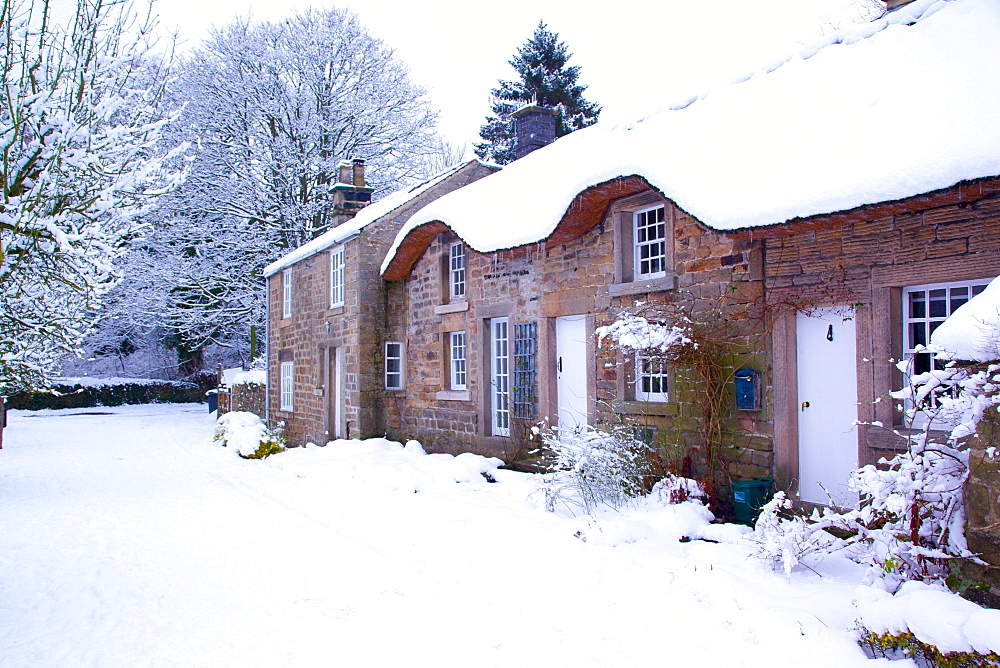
(747, 390)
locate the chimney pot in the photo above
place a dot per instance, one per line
(359, 172)
(344, 173)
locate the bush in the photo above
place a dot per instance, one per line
(248, 436)
(91, 392)
(590, 467)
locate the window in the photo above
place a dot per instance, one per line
(286, 293)
(524, 397)
(644, 245)
(287, 385)
(650, 379)
(499, 377)
(649, 232)
(393, 365)
(924, 308)
(457, 357)
(456, 271)
(337, 277)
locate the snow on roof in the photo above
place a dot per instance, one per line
(365, 217)
(904, 105)
(972, 332)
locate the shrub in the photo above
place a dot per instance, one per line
(248, 436)
(590, 467)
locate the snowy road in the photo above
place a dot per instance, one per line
(127, 539)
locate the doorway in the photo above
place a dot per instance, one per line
(827, 375)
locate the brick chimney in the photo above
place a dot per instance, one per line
(534, 127)
(893, 4)
(349, 194)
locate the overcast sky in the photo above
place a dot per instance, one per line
(634, 55)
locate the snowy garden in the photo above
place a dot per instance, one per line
(132, 537)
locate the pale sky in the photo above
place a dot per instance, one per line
(634, 55)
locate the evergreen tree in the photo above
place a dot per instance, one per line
(544, 80)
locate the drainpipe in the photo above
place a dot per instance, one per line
(267, 344)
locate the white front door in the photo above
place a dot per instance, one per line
(334, 393)
(571, 370)
(826, 356)
(500, 376)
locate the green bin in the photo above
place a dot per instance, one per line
(749, 496)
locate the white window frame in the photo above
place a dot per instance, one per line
(286, 293)
(917, 325)
(458, 367)
(337, 277)
(499, 388)
(394, 354)
(652, 382)
(288, 386)
(456, 272)
(644, 243)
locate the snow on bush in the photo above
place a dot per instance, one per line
(634, 332)
(929, 617)
(908, 525)
(248, 436)
(378, 463)
(591, 467)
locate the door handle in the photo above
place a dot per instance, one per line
(560, 365)
(805, 405)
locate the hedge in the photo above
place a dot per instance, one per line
(87, 393)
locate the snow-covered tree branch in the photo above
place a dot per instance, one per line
(80, 124)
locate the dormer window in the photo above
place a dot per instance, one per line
(649, 235)
(456, 272)
(644, 245)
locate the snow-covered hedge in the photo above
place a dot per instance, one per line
(90, 392)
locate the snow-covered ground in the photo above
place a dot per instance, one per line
(128, 538)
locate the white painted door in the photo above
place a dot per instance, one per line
(826, 352)
(334, 393)
(571, 370)
(500, 376)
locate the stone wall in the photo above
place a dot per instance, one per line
(540, 282)
(343, 346)
(864, 261)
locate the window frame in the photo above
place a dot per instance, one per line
(398, 372)
(498, 388)
(286, 293)
(639, 244)
(337, 276)
(931, 321)
(456, 274)
(287, 386)
(660, 375)
(458, 368)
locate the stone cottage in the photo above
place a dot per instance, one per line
(809, 204)
(327, 311)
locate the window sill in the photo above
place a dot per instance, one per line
(456, 307)
(454, 395)
(334, 310)
(644, 408)
(284, 322)
(641, 287)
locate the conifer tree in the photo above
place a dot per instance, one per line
(544, 80)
